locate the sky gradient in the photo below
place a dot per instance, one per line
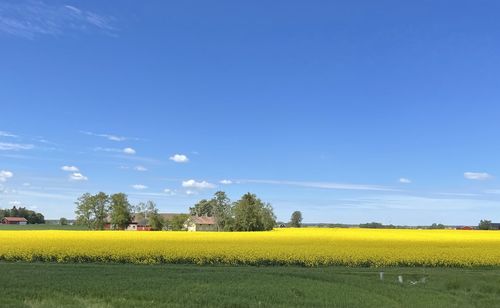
(349, 112)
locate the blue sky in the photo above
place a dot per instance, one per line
(348, 111)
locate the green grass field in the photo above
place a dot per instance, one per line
(121, 285)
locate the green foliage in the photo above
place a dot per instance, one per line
(63, 221)
(296, 219)
(146, 214)
(120, 211)
(31, 216)
(203, 208)
(92, 210)
(176, 223)
(437, 226)
(376, 225)
(251, 214)
(485, 225)
(222, 211)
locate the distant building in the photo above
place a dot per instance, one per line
(14, 221)
(200, 223)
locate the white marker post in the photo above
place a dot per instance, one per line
(400, 279)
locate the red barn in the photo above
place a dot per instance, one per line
(14, 221)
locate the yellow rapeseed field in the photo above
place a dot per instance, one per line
(307, 246)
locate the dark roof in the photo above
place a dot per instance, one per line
(18, 219)
(202, 220)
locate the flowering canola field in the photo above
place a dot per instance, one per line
(307, 246)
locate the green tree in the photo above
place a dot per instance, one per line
(296, 219)
(92, 210)
(63, 221)
(84, 213)
(120, 211)
(203, 208)
(437, 226)
(176, 223)
(222, 211)
(484, 225)
(154, 218)
(101, 209)
(251, 214)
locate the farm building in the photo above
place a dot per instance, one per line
(200, 223)
(14, 221)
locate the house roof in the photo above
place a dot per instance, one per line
(203, 220)
(18, 219)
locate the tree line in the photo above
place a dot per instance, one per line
(95, 211)
(249, 213)
(31, 216)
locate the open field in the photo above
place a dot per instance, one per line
(125, 285)
(307, 247)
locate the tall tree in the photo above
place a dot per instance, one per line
(101, 209)
(92, 210)
(84, 212)
(251, 214)
(154, 218)
(202, 208)
(222, 211)
(296, 219)
(120, 211)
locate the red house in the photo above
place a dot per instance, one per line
(14, 221)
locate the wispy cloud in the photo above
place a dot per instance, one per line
(128, 151)
(7, 134)
(30, 19)
(226, 182)
(6, 146)
(478, 176)
(404, 181)
(323, 185)
(110, 137)
(140, 168)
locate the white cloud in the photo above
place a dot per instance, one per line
(5, 146)
(140, 168)
(5, 175)
(404, 181)
(69, 168)
(226, 182)
(197, 185)
(7, 134)
(139, 186)
(129, 151)
(169, 192)
(191, 192)
(478, 176)
(179, 158)
(76, 176)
